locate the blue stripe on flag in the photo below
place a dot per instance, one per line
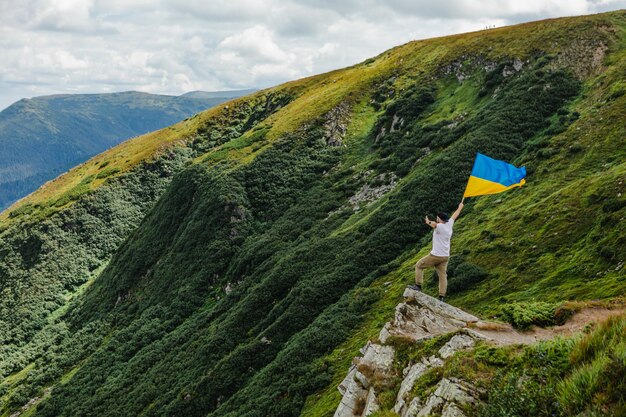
(497, 171)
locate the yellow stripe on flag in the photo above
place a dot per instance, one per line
(478, 186)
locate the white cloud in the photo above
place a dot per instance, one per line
(172, 46)
(255, 44)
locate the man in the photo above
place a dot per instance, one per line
(440, 253)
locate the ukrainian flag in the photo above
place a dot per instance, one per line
(490, 176)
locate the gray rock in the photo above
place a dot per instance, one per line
(345, 384)
(418, 317)
(369, 193)
(490, 66)
(433, 361)
(396, 123)
(433, 405)
(422, 317)
(352, 392)
(336, 124)
(451, 410)
(414, 407)
(377, 356)
(447, 397)
(507, 71)
(417, 323)
(356, 388)
(458, 342)
(412, 373)
(455, 391)
(362, 379)
(371, 403)
(439, 306)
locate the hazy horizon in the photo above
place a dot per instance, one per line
(172, 47)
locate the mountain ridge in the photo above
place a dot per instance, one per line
(234, 264)
(43, 136)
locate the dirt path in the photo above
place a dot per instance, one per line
(421, 317)
(505, 334)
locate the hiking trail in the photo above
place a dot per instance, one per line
(420, 317)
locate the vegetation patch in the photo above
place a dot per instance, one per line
(525, 314)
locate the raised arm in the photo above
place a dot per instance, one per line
(430, 222)
(455, 215)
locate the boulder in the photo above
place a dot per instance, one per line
(375, 356)
(456, 391)
(458, 342)
(422, 316)
(439, 307)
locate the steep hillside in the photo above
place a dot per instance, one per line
(44, 136)
(234, 263)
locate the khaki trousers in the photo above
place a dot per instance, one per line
(441, 265)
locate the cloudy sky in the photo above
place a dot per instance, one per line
(175, 46)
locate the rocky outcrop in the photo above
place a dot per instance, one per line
(396, 123)
(583, 56)
(447, 400)
(458, 342)
(465, 65)
(439, 399)
(419, 317)
(511, 69)
(336, 124)
(411, 374)
(358, 387)
(370, 192)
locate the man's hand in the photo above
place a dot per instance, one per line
(455, 215)
(429, 222)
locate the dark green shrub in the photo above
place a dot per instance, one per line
(465, 276)
(491, 355)
(522, 315)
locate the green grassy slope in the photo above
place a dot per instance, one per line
(245, 281)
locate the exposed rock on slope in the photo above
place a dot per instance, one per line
(336, 125)
(370, 192)
(419, 317)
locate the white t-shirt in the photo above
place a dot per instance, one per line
(441, 238)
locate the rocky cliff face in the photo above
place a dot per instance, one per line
(418, 318)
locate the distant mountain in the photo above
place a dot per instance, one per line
(218, 94)
(44, 136)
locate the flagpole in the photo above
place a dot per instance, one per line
(473, 165)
